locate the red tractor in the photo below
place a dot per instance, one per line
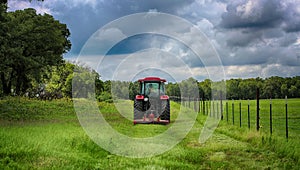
(152, 105)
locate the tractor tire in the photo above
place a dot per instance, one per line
(165, 110)
(138, 110)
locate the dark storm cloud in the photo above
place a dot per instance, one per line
(262, 14)
(292, 18)
(248, 14)
(242, 38)
(287, 40)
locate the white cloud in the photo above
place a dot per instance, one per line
(74, 3)
(251, 9)
(110, 34)
(20, 5)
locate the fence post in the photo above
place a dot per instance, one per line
(240, 107)
(207, 108)
(271, 130)
(227, 111)
(210, 108)
(248, 113)
(217, 105)
(286, 119)
(203, 104)
(198, 105)
(257, 109)
(189, 102)
(195, 104)
(221, 104)
(214, 108)
(232, 111)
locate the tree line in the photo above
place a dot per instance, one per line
(271, 87)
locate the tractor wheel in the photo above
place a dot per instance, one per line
(165, 110)
(138, 110)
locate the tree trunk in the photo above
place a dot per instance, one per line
(19, 82)
(6, 86)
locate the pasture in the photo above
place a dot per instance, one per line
(47, 135)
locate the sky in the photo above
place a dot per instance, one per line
(251, 38)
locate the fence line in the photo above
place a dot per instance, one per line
(264, 117)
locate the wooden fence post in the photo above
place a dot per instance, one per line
(240, 107)
(232, 111)
(227, 111)
(248, 113)
(221, 104)
(257, 109)
(286, 119)
(271, 130)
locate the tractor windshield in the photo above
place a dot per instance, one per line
(154, 88)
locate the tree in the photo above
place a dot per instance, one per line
(172, 89)
(284, 90)
(133, 89)
(248, 89)
(233, 90)
(189, 88)
(293, 91)
(3, 30)
(272, 87)
(84, 82)
(206, 88)
(32, 45)
(60, 81)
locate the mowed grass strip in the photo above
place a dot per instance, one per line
(55, 140)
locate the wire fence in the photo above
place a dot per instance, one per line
(274, 116)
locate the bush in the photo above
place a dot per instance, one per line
(105, 97)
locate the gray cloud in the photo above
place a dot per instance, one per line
(242, 38)
(84, 17)
(252, 37)
(262, 14)
(252, 14)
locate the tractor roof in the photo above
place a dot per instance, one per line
(152, 79)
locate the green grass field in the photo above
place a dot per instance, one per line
(47, 135)
(231, 114)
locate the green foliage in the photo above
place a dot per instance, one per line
(61, 79)
(134, 89)
(172, 89)
(84, 82)
(105, 97)
(189, 88)
(32, 44)
(273, 87)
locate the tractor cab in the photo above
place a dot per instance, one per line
(151, 105)
(152, 88)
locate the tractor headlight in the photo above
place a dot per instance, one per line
(146, 99)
